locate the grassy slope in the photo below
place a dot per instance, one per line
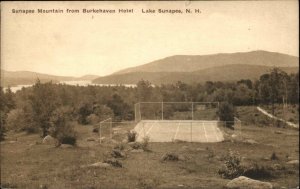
(291, 112)
(29, 165)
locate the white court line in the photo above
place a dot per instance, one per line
(150, 128)
(216, 132)
(204, 132)
(177, 131)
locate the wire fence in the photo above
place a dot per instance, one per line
(176, 111)
(109, 129)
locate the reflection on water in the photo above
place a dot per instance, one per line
(79, 83)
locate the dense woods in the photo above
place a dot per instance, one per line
(40, 108)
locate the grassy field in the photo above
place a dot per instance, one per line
(26, 163)
(290, 113)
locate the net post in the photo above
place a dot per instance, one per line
(100, 132)
(135, 117)
(191, 131)
(162, 110)
(192, 110)
(144, 128)
(110, 128)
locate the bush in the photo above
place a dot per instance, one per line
(226, 113)
(145, 143)
(170, 157)
(119, 146)
(211, 153)
(67, 140)
(113, 162)
(258, 172)
(274, 156)
(131, 136)
(61, 127)
(92, 119)
(21, 120)
(232, 167)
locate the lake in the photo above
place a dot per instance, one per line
(79, 83)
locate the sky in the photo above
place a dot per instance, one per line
(76, 44)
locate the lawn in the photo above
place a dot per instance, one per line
(26, 163)
(289, 113)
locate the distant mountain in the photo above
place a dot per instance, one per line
(13, 78)
(200, 68)
(88, 77)
(190, 63)
(221, 73)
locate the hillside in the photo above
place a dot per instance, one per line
(220, 73)
(88, 77)
(12, 78)
(192, 63)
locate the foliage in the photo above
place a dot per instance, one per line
(170, 157)
(61, 127)
(256, 171)
(131, 136)
(226, 113)
(274, 156)
(7, 103)
(43, 101)
(142, 145)
(145, 143)
(232, 166)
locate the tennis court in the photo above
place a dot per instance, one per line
(179, 130)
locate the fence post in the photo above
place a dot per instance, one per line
(100, 132)
(144, 128)
(191, 131)
(135, 119)
(111, 129)
(162, 110)
(192, 110)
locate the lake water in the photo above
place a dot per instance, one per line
(79, 83)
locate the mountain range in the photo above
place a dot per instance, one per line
(13, 78)
(185, 68)
(201, 68)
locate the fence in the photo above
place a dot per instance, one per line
(108, 129)
(236, 124)
(176, 111)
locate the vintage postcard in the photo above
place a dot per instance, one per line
(149, 94)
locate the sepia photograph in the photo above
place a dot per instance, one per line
(149, 95)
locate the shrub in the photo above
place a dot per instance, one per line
(119, 146)
(92, 119)
(61, 127)
(21, 120)
(257, 172)
(131, 136)
(170, 157)
(274, 156)
(226, 113)
(211, 153)
(232, 167)
(68, 140)
(113, 162)
(145, 143)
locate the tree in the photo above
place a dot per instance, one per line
(119, 107)
(273, 87)
(3, 114)
(293, 88)
(61, 127)
(226, 113)
(44, 101)
(144, 90)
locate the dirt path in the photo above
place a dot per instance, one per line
(276, 118)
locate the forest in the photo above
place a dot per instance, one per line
(49, 108)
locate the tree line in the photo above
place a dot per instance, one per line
(48, 107)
